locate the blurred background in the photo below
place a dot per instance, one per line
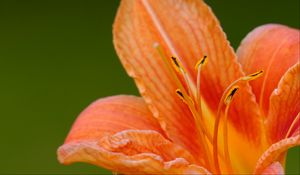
(57, 56)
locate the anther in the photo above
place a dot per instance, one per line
(253, 76)
(180, 95)
(230, 95)
(174, 59)
(177, 65)
(202, 61)
(186, 99)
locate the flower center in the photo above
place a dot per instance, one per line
(190, 94)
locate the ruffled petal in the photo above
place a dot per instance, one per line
(274, 153)
(110, 115)
(275, 168)
(187, 29)
(285, 106)
(131, 152)
(273, 48)
(105, 134)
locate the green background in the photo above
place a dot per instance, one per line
(56, 57)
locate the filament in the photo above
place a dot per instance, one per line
(199, 125)
(225, 100)
(216, 127)
(198, 67)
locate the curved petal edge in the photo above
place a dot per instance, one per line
(131, 152)
(273, 153)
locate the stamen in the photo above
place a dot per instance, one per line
(177, 65)
(199, 124)
(198, 67)
(253, 76)
(201, 62)
(180, 95)
(230, 95)
(226, 100)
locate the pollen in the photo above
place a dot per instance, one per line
(180, 95)
(253, 76)
(177, 65)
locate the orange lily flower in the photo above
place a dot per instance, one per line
(195, 116)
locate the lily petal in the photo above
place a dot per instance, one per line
(134, 36)
(274, 152)
(285, 105)
(110, 115)
(186, 29)
(275, 168)
(131, 152)
(120, 134)
(272, 48)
